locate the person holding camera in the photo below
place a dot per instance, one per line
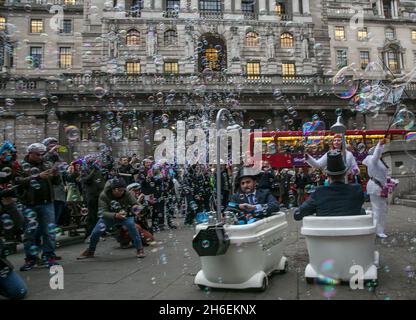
(37, 179)
(119, 207)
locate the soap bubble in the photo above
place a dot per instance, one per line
(404, 118)
(345, 78)
(35, 184)
(100, 92)
(7, 224)
(34, 172)
(117, 133)
(72, 133)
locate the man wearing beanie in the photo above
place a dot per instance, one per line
(118, 207)
(337, 199)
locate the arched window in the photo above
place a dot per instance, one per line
(170, 37)
(133, 38)
(252, 39)
(212, 54)
(286, 40)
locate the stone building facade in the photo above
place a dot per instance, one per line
(120, 69)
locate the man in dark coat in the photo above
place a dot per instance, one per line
(337, 199)
(92, 182)
(259, 202)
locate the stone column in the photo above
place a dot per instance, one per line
(182, 5)
(395, 9)
(121, 4)
(147, 4)
(295, 6)
(380, 8)
(262, 6)
(194, 4)
(272, 4)
(158, 4)
(306, 9)
(237, 5)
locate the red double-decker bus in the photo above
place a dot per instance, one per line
(286, 149)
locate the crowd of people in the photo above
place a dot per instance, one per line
(134, 198)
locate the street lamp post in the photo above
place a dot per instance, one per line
(218, 123)
(340, 128)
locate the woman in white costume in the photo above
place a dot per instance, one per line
(336, 144)
(376, 186)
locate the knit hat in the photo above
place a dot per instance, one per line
(7, 147)
(49, 140)
(36, 147)
(118, 183)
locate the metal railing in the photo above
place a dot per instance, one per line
(211, 14)
(133, 13)
(346, 12)
(250, 15)
(70, 83)
(45, 2)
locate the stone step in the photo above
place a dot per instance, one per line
(409, 197)
(407, 202)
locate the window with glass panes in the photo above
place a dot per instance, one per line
(286, 40)
(390, 34)
(66, 26)
(362, 34)
(133, 38)
(253, 70)
(364, 59)
(170, 67)
(211, 58)
(288, 70)
(36, 26)
(170, 37)
(393, 60)
(85, 132)
(65, 57)
(130, 131)
(210, 5)
(133, 67)
(252, 39)
(69, 1)
(339, 33)
(247, 6)
(172, 5)
(341, 58)
(279, 8)
(2, 23)
(414, 35)
(36, 55)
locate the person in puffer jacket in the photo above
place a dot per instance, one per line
(118, 207)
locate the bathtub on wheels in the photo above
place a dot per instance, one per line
(254, 252)
(341, 247)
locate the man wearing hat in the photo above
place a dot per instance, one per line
(321, 163)
(249, 199)
(118, 207)
(337, 199)
(376, 186)
(36, 180)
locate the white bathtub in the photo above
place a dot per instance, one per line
(255, 251)
(335, 244)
